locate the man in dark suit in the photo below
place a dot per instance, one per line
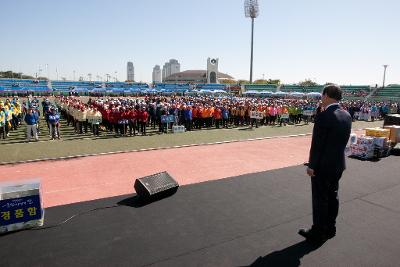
(326, 164)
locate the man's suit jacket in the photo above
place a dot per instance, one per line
(331, 133)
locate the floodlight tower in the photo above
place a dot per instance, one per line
(251, 10)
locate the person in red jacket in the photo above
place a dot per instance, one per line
(105, 113)
(124, 120)
(143, 117)
(115, 116)
(132, 117)
(217, 116)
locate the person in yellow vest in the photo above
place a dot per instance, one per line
(18, 112)
(284, 115)
(8, 114)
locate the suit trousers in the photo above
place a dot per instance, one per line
(325, 200)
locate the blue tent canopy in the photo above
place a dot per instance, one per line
(251, 92)
(314, 94)
(279, 93)
(297, 94)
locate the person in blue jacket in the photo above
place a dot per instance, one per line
(188, 117)
(31, 120)
(54, 123)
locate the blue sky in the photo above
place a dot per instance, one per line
(340, 41)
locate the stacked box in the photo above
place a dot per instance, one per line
(394, 133)
(365, 140)
(362, 151)
(178, 129)
(381, 142)
(377, 132)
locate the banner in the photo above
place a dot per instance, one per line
(167, 118)
(308, 112)
(285, 116)
(256, 115)
(94, 120)
(123, 121)
(17, 210)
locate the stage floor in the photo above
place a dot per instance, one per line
(245, 220)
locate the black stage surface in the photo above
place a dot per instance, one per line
(250, 220)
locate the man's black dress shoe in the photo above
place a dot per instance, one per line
(313, 235)
(330, 234)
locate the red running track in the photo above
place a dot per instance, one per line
(89, 178)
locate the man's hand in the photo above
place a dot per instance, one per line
(310, 172)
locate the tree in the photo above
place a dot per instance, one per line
(269, 81)
(13, 75)
(307, 82)
(243, 81)
(227, 81)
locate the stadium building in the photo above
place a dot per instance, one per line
(193, 76)
(211, 75)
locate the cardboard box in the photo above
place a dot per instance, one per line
(178, 129)
(362, 151)
(377, 132)
(20, 205)
(394, 133)
(381, 142)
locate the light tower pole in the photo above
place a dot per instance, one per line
(384, 75)
(251, 10)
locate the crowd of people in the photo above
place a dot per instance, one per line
(132, 116)
(10, 116)
(128, 116)
(13, 113)
(356, 93)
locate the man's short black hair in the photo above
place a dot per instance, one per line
(333, 91)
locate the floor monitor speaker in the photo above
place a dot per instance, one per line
(156, 186)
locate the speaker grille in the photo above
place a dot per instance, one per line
(154, 184)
